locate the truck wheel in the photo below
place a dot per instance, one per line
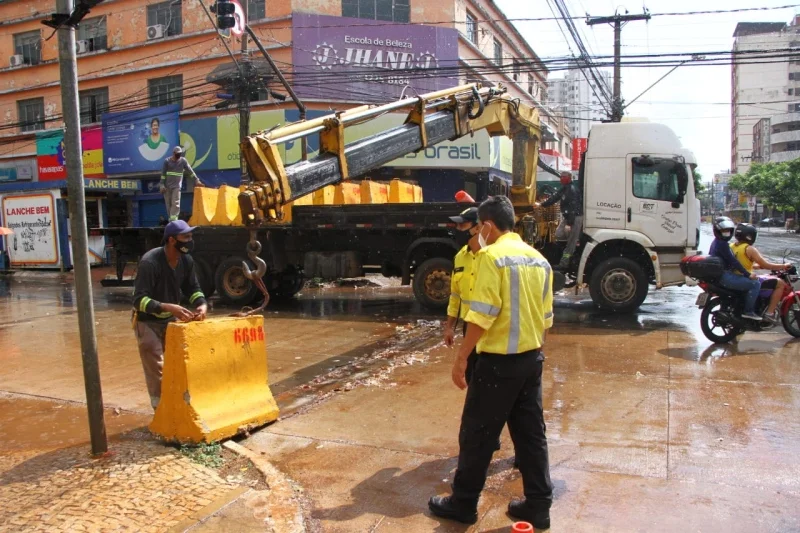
(432, 283)
(618, 284)
(289, 282)
(232, 286)
(205, 276)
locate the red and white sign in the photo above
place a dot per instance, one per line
(35, 239)
(579, 146)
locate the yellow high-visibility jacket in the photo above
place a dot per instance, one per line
(512, 298)
(461, 282)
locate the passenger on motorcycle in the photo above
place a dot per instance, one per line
(750, 258)
(735, 276)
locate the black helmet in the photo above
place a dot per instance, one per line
(723, 228)
(746, 233)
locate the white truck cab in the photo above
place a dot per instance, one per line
(640, 216)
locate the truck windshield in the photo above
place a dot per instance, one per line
(658, 179)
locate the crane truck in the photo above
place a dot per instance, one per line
(638, 204)
(638, 196)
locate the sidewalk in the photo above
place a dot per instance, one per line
(48, 481)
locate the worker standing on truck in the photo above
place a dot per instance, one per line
(165, 276)
(510, 311)
(172, 174)
(571, 213)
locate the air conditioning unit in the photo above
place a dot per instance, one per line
(17, 60)
(81, 47)
(157, 31)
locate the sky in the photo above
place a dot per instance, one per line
(694, 100)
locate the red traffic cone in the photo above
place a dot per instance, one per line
(522, 527)
(463, 197)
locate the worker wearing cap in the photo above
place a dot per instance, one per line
(463, 277)
(172, 174)
(165, 277)
(510, 310)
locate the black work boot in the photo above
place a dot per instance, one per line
(537, 515)
(452, 509)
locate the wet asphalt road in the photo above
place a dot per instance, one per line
(644, 415)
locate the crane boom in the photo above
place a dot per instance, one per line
(432, 118)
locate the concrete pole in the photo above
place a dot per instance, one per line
(616, 105)
(77, 218)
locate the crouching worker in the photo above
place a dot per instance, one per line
(165, 277)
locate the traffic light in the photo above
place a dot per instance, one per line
(224, 10)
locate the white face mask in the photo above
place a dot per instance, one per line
(481, 239)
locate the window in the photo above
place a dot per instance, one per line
(389, 10)
(659, 179)
(168, 15)
(517, 68)
(530, 84)
(793, 146)
(498, 53)
(165, 91)
(794, 108)
(472, 28)
(256, 9)
(31, 114)
(28, 45)
(791, 92)
(93, 31)
(94, 102)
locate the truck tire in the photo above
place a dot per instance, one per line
(618, 284)
(289, 283)
(432, 283)
(232, 286)
(205, 276)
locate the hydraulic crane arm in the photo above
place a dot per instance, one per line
(432, 118)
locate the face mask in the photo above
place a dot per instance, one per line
(184, 247)
(481, 239)
(463, 237)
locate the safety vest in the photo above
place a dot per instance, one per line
(461, 282)
(739, 250)
(512, 298)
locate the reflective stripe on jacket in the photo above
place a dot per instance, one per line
(512, 298)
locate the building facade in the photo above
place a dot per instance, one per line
(580, 100)
(151, 74)
(764, 90)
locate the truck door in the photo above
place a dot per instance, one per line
(656, 197)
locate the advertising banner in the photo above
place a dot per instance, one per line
(372, 61)
(139, 141)
(579, 146)
(32, 217)
(199, 142)
(228, 134)
(50, 154)
(18, 170)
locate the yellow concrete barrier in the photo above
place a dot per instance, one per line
(204, 205)
(227, 210)
(308, 199)
(215, 381)
(373, 192)
(417, 194)
(325, 195)
(401, 192)
(347, 193)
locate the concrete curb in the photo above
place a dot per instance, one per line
(286, 509)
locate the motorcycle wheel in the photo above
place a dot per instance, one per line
(790, 320)
(716, 333)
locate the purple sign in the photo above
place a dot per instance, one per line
(371, 61)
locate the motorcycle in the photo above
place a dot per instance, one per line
(721, 319)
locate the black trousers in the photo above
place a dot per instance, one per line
(504, 389)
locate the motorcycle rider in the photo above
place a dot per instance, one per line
(750, 258)
(735, 277)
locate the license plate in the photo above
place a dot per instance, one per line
(701, 299)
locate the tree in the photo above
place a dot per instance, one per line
(699, 186)
(776, 184)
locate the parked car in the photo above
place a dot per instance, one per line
(775, 222)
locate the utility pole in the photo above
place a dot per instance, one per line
(77, 217)
(244, 93)
(617, 21)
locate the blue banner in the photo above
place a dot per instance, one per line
(199, 141)
(139, 141)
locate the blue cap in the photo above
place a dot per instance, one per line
(177, 227)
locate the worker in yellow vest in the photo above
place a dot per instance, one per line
(511, 308)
